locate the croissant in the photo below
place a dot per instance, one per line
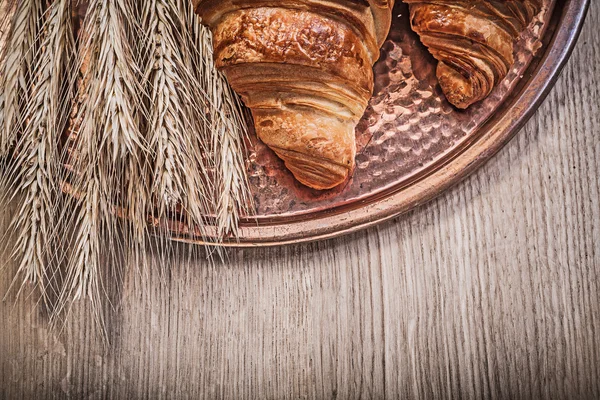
(305, 69)
(473, 40)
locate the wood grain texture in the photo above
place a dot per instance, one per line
(491, 291)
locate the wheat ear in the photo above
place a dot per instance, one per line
(227, 132)
(109, 151)
(16, 80)
(7, 10)
(175, 117)
(37, 163)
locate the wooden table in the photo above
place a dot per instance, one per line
(492, 291)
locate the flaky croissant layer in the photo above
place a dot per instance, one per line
(304, 68)
(473, 40)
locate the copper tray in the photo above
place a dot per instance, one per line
(412, 144)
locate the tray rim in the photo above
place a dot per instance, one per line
(501, 129)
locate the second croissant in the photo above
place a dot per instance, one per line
(473, 40)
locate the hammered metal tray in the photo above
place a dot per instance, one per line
(413, 144)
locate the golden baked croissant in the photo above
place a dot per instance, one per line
(473, 40)
(305, 69)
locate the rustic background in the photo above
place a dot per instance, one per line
(491, 291)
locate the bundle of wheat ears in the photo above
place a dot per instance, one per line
(110, 125)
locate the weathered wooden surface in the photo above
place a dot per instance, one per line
(492, 291)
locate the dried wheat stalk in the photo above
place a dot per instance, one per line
(110, 150)
(7, 10)
(153, 126)
(16, 79)
(227, 132)
(175, 120)
(36, 167)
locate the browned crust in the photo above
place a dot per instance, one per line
(278, 35)
(304, 68)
